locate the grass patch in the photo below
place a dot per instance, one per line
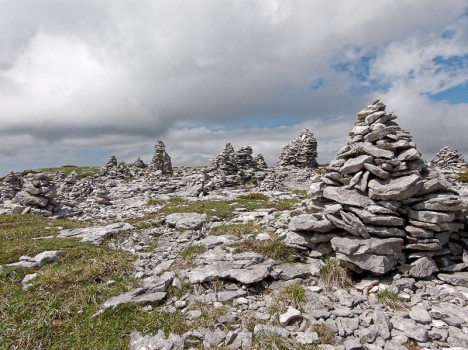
(463, 176)
(56, 312)
(154, 201)
(333, 274)
(237, 230)
(275, 342)
(325, 334)
(391, 300)
(274, 249)
(301, 193)
(254, 196)
(294, 295)
(81, 171)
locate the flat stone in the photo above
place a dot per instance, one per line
(347, 197)
(440, 202)
(305, 338)
(374, 151)
(148, 298)
(395, 188)
(419, 232)
(187, 221)
(353, 165)
(385, 232)
(379, 172)
(377, 264)
(356, 246)
(290, 315)
(431, 216)
(307, 240)
(96, 235)
(456, 279)
(423, 267)
(409, 154)
(410, 329)
(420, 315)
(308, 222)
(226, 270)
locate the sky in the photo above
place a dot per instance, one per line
(81, 80)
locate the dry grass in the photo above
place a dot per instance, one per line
(332, 274)
(391, 300)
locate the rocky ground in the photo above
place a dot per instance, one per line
(375, 256)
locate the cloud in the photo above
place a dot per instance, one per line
(117, 75)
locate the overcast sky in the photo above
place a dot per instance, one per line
(82, 80)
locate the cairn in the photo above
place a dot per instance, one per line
(161, 162)
(12, 184)
(381, 207)
(300, 153)
(38, 194)
(450, 162)
(114, 169)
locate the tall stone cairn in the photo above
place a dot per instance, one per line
(383, 207)
(301, 152)
(225, 161)
(12, 184)
(161, 160)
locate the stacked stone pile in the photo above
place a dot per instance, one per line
(114, 169)
(38, 194)
(301, 152)
(161, 162)
(12, 184)
(450, 162)
(449, 158)
(390, 207)
(232, 168)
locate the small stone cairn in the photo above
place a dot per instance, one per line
(450, 162)
(12, 184)
(161, 162)
(381, 207)
(38, 195)
(114, 169)
(296, 163)
(300, 153)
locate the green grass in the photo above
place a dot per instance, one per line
(463, 176)
(391, 300)
(275, 342)
(237, 230)
(187, 256)
(82, 171)
(274, 249)
(301, 193)
(332, 274)
(56, 312)
(254, 196)
(223, 208)
(294, 295)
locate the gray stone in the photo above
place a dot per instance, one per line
(348, 197)
(410, 328)
(374, 151)
(456, 279)
(305, 338)
(353, 165)
(37, 261)
(187, 221)
(423, 267)
(440, 202)
(308, 222)
(431, 216)
(290, 315)
(379, 172)
(409, 154)
(156, 342)
(395, 188)
(300, 239)
(420, 314)
(356, 246)
(382, 324)
(377, 264)
(96, 235)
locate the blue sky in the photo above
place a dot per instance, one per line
(81, 80)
